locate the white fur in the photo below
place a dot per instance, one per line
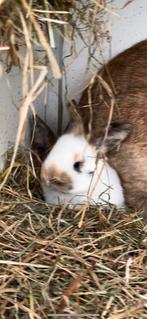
(102, 187)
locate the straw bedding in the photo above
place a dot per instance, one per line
(51, 267)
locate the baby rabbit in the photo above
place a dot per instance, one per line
(75, 171)
(126, 75)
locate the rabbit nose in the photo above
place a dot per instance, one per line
(60, 179)
(49, 177)
(48, 174)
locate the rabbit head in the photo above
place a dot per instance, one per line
(71, 164)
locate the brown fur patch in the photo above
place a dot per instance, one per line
(58, 179)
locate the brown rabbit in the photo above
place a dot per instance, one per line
(126, 75)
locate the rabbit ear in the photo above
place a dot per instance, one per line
(42, 138)
(76, 124)
(117, 133)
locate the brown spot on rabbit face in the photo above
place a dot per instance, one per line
(59, 180)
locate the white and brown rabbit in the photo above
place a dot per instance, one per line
(73, 173)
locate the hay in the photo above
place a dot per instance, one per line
(26, 22)
(49, 267)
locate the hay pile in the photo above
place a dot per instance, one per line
(31, 23)
(49, 267)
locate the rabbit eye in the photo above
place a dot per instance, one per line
(78, 166)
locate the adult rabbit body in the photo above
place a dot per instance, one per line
(126, 75)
